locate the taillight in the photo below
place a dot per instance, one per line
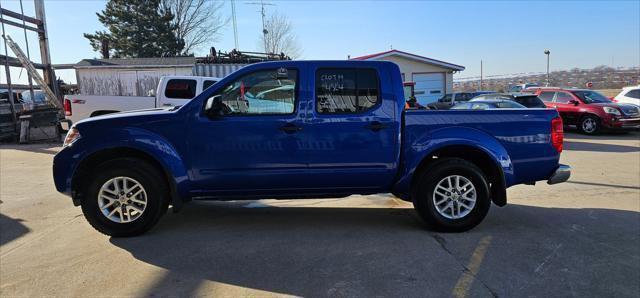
(67, 107)
(557, 133)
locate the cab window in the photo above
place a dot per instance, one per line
(261, 92)
(345, 91)
(180, 88)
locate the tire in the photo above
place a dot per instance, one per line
(155, 193)
(589, 125)
(424, 200)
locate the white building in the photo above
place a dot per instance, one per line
(433, 78)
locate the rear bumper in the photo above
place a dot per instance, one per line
(562, 174)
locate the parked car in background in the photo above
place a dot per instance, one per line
(629, 95)
(449, 100)
(488, 104)
(172, 91)
(521, 87)
(526, 99)
(589, 110)
(307, 139)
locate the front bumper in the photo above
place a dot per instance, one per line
(624, 123)
(562, 174)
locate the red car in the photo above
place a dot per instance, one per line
(589, 110)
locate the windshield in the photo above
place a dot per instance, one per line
(591, 97)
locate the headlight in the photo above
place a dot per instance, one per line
(72, 135)
(612, 111)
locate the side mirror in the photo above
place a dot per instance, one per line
(574, 102)
(215, 108)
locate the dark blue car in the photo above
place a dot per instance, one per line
(305, 129)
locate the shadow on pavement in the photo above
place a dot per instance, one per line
(525, 250)
(11, 229)
(599, 147)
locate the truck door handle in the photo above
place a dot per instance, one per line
(290, 128)
(376, 126)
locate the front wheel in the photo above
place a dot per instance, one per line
(452, 195)
(589, 125)
(126, 197)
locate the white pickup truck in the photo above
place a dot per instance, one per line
(171, 91)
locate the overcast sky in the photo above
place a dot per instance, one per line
(509, 36)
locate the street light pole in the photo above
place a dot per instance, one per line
(547, 52)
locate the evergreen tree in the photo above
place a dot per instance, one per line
(136, 28)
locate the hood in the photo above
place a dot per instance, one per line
(128, 118)
(627, 109)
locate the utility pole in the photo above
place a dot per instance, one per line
(480, 74)
(547, 52)
(264, 27)
(235, 26)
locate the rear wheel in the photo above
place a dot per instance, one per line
(126, 197)
(452, 195)
(589, 125)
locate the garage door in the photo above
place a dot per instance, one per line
(429, 86)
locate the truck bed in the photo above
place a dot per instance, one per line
(525, 134)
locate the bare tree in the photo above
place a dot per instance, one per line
(280, 37)
(198, 21)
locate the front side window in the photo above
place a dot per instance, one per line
(591, 97)
(463, 96)
(180, 88)
(261, 92)
(343, 91)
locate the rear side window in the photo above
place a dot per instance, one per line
(563, 97)
(463, 96)
(633, 93)
(207, 83)
(180, 88)
(530, 101)
(344, 91)
(446, 98)
(546, 96)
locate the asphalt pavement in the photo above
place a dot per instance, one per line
(580, 238)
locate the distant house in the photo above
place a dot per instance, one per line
(433, 78)
(138, 76)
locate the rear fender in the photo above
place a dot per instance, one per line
(425, 145)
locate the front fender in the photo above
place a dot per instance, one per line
(420, 146)
(147, 142)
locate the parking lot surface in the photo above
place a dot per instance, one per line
(580, 238)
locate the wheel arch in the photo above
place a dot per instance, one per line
(92, 161)
(473, 145)
(479, 157)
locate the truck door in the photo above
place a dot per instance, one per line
(257, 145)
(352, 136)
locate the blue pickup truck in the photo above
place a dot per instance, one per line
(305, 129)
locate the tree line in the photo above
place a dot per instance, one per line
(171, 28)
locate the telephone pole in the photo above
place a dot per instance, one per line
(235, 26)
(264, 27)
(480, 74)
